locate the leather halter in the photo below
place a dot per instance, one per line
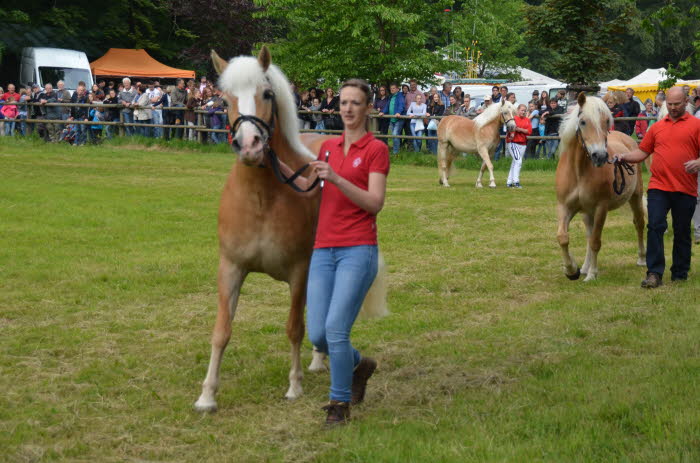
(619, 166)
(267, 129)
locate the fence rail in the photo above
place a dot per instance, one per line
(201, 128)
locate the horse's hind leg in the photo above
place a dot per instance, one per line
(443, 152)
(486, 158)
(295, 331)
(594, 240)
(637, 205)
(230, 280)
(588, 222)
(571, 270)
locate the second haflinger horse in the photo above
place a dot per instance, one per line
(265, 226)
(590, 182)
(481, 136)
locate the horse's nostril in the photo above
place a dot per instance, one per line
(256, 140)
(235, 145)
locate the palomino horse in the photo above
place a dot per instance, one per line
(264, 226)
(588, 182)
(460, 134)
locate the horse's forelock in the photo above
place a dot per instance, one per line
(594, 110)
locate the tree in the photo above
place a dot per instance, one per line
(581, 34)
(377, 41)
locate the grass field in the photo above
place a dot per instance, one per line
(108, 261)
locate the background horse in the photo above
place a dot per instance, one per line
(265, 226)
(460, 134)
(586, 180)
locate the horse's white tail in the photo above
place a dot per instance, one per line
(375, 305)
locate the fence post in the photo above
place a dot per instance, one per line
(200, 122)
(121, 124)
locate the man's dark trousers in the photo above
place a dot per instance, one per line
(682, 207)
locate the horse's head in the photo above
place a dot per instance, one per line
(508, 113)
(593, 123)
(251, 103)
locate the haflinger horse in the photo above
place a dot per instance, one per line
(587, 181)
(460, 134)
(265, 226)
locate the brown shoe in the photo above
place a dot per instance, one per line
(653, 280)
(338, 413)
(363, 371)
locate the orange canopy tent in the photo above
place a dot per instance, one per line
(134, 63)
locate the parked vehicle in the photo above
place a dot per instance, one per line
(49, 65)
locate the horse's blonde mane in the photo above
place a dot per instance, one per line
(244, 73)
(593, 110)
(491, 113)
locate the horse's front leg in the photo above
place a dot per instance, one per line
(588, 222)
(230, 280)
(594, 240)
(486, 158)
(295, 329)
(564, 214)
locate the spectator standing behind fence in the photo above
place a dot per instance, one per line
(396, 108)
(155, 94)
(143, 114)
(127, 98)
(534, 115)
(22, 111)
(435, 108)
(194, 101)
(178, 98)
(315, 106)
(544, 102)
(381, 103)
(417, 108)
(465, 108)
(214, 106)
(641, 126)
(445, 94)
(51, 131)
(552, 120)
(495, 94)
(615, 109)
(33, 112)
(459, 96)
(330, 105)
(96, 115)
(111, 114)
(80, 114)
(630, 108)
(9, 111)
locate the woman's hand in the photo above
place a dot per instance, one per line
(324, 171)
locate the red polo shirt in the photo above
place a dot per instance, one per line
(672, 144)
(519, 137)
(340, 221)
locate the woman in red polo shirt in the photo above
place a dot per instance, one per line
(343, 265)
(515, 146)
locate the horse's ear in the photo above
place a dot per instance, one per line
(264, 58)
(219, 63)
(581, 99)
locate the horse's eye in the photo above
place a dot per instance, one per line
(268, 94)
(583, 122)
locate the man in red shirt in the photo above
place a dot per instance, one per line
(10, 93)
(675, 142)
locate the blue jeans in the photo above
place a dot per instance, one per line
(432, 144)
(550, 146)
(499, 150)
(682, 207)
(9, 128)
(395, 129)
(157, 119)
(128, 119)
(81, 133)
(339, 279)
(417, 144)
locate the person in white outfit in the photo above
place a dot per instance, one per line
(516, 142)
(417, 108)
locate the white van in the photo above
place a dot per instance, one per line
(49, 65)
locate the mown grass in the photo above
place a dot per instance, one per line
(107, 299)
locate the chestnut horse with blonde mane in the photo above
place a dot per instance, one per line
(460, 134)
(587, 181)
(265, 226)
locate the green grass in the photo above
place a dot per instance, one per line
(107, 300)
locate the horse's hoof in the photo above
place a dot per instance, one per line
(590, 277)
(575, 276)
(205, 406)
(294, 393)
(446, 185)
(318, 367)
(493, 185)
(479, 185)
(642, 262)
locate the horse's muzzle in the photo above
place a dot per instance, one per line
(599, 158)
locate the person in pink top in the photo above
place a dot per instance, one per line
(10, 111)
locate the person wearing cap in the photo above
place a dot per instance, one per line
(487, 103)
(535, 97)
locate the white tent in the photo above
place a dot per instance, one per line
(649, 76)
(530, 77)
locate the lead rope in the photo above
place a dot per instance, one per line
(618, 166)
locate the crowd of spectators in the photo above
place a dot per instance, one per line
(138, 102)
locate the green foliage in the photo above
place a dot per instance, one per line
(376, 41)
(582, 35)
